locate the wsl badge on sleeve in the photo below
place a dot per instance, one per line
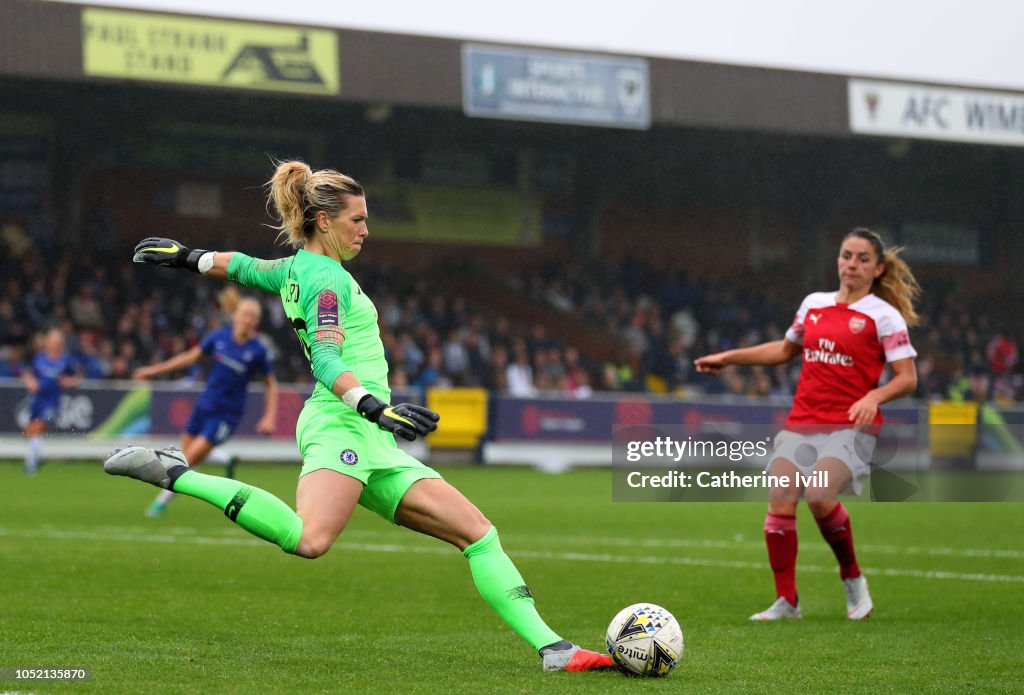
(327, 309)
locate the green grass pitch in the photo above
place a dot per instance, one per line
(191, 604)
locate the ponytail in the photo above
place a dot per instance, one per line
(897, 285)
(297, 194)
(286, 193)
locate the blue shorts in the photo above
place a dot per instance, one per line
(44, 409)
(217, 428)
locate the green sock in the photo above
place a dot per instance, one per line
(255, 510)
(501, 585)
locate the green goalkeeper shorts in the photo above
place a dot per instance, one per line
(332, 435)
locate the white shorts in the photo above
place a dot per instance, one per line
(851, 446)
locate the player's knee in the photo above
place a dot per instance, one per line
(479, 527)
(818, 495)
(784, 495)
(311, 550)
(471, 530)
(820, 502)
(313, 545)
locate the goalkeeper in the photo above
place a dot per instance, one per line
(346, 431)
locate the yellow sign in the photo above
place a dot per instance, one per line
(465, 417)
(952, 428)
(244, 55)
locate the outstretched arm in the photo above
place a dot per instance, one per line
(180, 361)
(219, 267)
(223, 265)
(70, 381)
(775, 352)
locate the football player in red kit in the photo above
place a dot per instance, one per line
(845, 338)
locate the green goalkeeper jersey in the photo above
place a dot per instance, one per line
(335, 321)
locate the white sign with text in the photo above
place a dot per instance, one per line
(936, 113)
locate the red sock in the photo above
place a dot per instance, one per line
(780, 537)
(835, 528)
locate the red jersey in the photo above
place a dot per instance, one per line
(845, 348)
(1002, 354)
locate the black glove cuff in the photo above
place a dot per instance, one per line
(192, 260)
(370, 407)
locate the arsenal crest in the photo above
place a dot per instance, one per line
(857, 324)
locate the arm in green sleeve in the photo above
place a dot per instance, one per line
(325, 356)
(324, 309)
(268, 276)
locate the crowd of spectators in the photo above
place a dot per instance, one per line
(667, 320)
(120, 316)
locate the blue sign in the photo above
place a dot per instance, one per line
(574, 88)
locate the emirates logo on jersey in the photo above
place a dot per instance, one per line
(857, 324)
(826, 354)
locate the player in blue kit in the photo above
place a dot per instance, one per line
(53, 370)
(236, 355)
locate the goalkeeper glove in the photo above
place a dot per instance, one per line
(168, 253)
(405, 419)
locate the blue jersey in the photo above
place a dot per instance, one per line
(233, 365)
(48, 372)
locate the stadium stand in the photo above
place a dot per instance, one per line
(568, 328)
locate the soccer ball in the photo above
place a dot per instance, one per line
(645, 639)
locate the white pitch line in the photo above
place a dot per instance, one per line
(740, 564)
(57, 534)
(748, 545)
(699, 544)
